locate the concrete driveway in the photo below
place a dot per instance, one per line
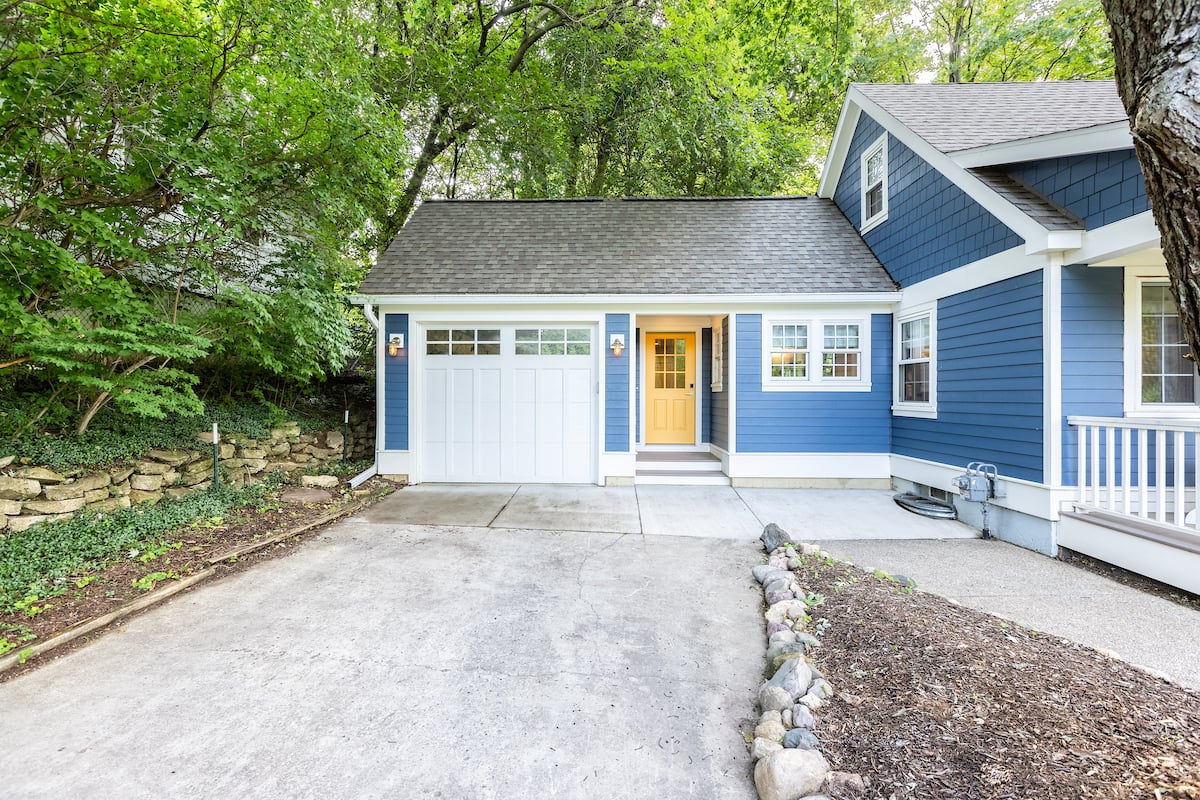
(405, 661)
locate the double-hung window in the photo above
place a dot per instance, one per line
(873, 169)
(815, 354)
(1159, 381)
(915, 365)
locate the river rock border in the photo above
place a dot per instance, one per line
(786, 750)
(33, 494)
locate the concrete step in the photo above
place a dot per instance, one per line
(687, 461)
(681, 477)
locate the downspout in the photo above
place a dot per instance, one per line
(371, 471)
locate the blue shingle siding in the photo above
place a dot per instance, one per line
(616, 386)
(703, 385)
(719, 421)
(932, 225)
(989, 382)
(812, 421)
(395, 385)
(1092, 351)
(1102, 188)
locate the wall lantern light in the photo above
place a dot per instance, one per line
(617, 342)
(395, 344)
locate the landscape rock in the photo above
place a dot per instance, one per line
(196, 478)
(790, 774)
(771, 730)
(776, 627)
(821, 688)
(54, 506)
(778, 581)
(785, 636)
(788, 609)
(120, 489)
(811, 702)
(176, 492)
(779, 596)
(6, 460)
(794, 676)
(321, 481)
(10, 507)
(760, 572)
(62, 491)
(809, 549)
(95, 495)
(761, 748)
(280, 448)
(225, 450)
(146, 483)
(807, 639)
(774, 698)
(151, 467)
(254, 452)
(18, 488)
(139, 496)
(774, 537)
(801, 738)
(802, 717)
(172, 457)
(41, 475)
(334, 440)
(794, 562)
(18, 524)
(254, 465)
(112, 504)
(122, 474)
(786, 715)
(844, 785)
(306, 496)
(791, 649)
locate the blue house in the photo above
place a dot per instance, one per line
(978, 280)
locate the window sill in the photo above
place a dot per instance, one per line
(816, 386)
(874, 222)
(921, 412)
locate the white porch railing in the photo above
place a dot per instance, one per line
(1140, 468)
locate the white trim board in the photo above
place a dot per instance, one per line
(698, 304)
(808, 465)
(1026, 497)
(1096, 139)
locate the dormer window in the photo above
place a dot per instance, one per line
(874, 184)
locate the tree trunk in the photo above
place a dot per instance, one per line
(1156, 45)
(959, 33)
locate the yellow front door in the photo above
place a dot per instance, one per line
(671, 388)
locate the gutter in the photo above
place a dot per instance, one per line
(372, 470)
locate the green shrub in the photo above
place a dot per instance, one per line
(35, 564)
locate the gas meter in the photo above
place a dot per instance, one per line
(978, 485)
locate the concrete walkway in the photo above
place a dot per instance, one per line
(704, 511)
(387, 660)
(1045, 595)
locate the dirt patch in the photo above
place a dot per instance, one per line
(204, 543)
(940, 701)
(1131, 579)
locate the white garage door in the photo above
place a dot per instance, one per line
(509, 403)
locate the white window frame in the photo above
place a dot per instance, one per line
(717, 384)
(814, 381)
(909, 408)
(1135, 280)
(878, 146)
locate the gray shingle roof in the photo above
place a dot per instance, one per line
(1047, 213)
(960, 116)
(774, 245)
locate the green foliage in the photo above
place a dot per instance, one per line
(115, 436)
(151, 579)
(12, 636)
(35, 564)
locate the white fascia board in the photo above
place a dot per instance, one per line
(1054, 241)
(986, 271)
(835, 160)
(1025, 227)
(1120, 238)
(708, 304)
(1096, 139)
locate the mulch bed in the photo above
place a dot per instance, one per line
(939, 701)
(198, 544)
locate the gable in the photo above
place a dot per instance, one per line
(933, 226)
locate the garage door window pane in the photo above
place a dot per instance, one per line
(463, 342)
(554, 342)
(438, 336)
(437, 348)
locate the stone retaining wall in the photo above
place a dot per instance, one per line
(33, 494)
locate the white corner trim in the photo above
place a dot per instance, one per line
(1052, 360)
(1096, 139)
(616, 465)
(397, 462)
(1120, 238)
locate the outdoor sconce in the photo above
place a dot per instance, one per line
(617, 342)
(395, 344)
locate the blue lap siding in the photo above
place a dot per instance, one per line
(932, 225)
(1092, 351)
(616, 385)
(812, 421)
(395, 385)
(1102, 188)
(989, 382)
